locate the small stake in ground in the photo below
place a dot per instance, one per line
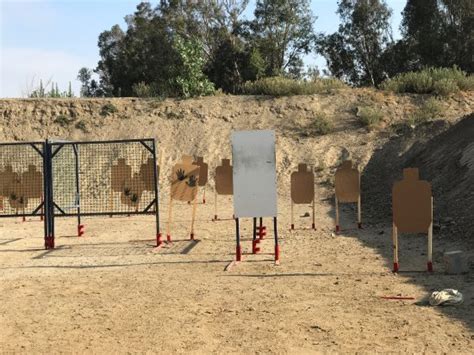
(412, 205)
(302, 191)
(347, 190)
(203, 175)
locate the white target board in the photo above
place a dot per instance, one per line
(254, 174)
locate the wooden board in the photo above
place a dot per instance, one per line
(203, 171)
(121, 175)
(302, 185)
(147, 175)
(184, 180)
(132, 191)
(411, 203)
(254, 174)
(32, 182)
(7, 176)
(224, 179)
(347, 183)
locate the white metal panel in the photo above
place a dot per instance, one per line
(254, 174)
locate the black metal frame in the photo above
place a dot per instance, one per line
(39, 211)
(49, 209)
(255, 240)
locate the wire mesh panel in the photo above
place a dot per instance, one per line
(21, 179)
(104, 178)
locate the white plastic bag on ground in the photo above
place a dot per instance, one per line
(446, 297)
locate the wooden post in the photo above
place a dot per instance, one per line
(193, 217)
(337, 216)
(292, 227)
(430, 241)
(170, 216)
(359, 213)
(215, 205)
(204, 195)
(313, 225)
(395, 248)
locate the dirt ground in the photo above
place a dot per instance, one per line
(111, 292)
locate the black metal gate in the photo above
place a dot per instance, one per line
(78, 179)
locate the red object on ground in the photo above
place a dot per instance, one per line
(49, 242)
(158, 240)
(23, 219)
(292, 227)
(80, 230)
(262, 231)
(191, 236)
(430, 266)
(313, 226)
(277, 252)
(168, 238)
(255, 248)
(338, 229)
(395, 267)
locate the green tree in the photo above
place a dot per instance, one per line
(190, 80)
(283, 32)
(355, 51)
(84, 76)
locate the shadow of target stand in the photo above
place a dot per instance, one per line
(82, 179)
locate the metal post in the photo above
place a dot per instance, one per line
(157, 211)
(277, 247)
(45, 196)
(80, 227)
(238, 250)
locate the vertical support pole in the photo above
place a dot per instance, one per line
(204, 195)
(337, 215)
(430, 241)
(313, 224)
(45, 196)
(193, 217)
(49, 203)
(80, 227)
(238, 249)
(359, 213)
(255, 250)
(277, 246)
(156, 179)
(396, 266)
(215, 205)
(261, 229)
(170, 216)
(292, 226)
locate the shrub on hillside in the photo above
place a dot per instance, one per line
(108, 109)
(429, 110)
(368, 116)
(63, 120)
(281, 86)
(439, 81)
(320, 125)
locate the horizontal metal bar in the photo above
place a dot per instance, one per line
(19, 143)
(21, 215)
(105, 142)
(91, 214)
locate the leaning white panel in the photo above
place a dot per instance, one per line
(254, 174)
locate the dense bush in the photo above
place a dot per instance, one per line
(281, 86)
(320, 125)
(108, 109)
(63, 120)
(369, 116)
(439, 81)
(429, 110)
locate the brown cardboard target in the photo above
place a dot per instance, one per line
(121, 174)
(203, 171)
(302, 185)
(411, 203)
(32, 182)
(184, 180)
(147, 175)
(132, 191)
(347, 182)
(224, 178)
(7, 177)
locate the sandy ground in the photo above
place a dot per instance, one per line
(110, 292)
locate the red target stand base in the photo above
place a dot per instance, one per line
(258, 235)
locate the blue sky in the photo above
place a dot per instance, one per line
(53, 39)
